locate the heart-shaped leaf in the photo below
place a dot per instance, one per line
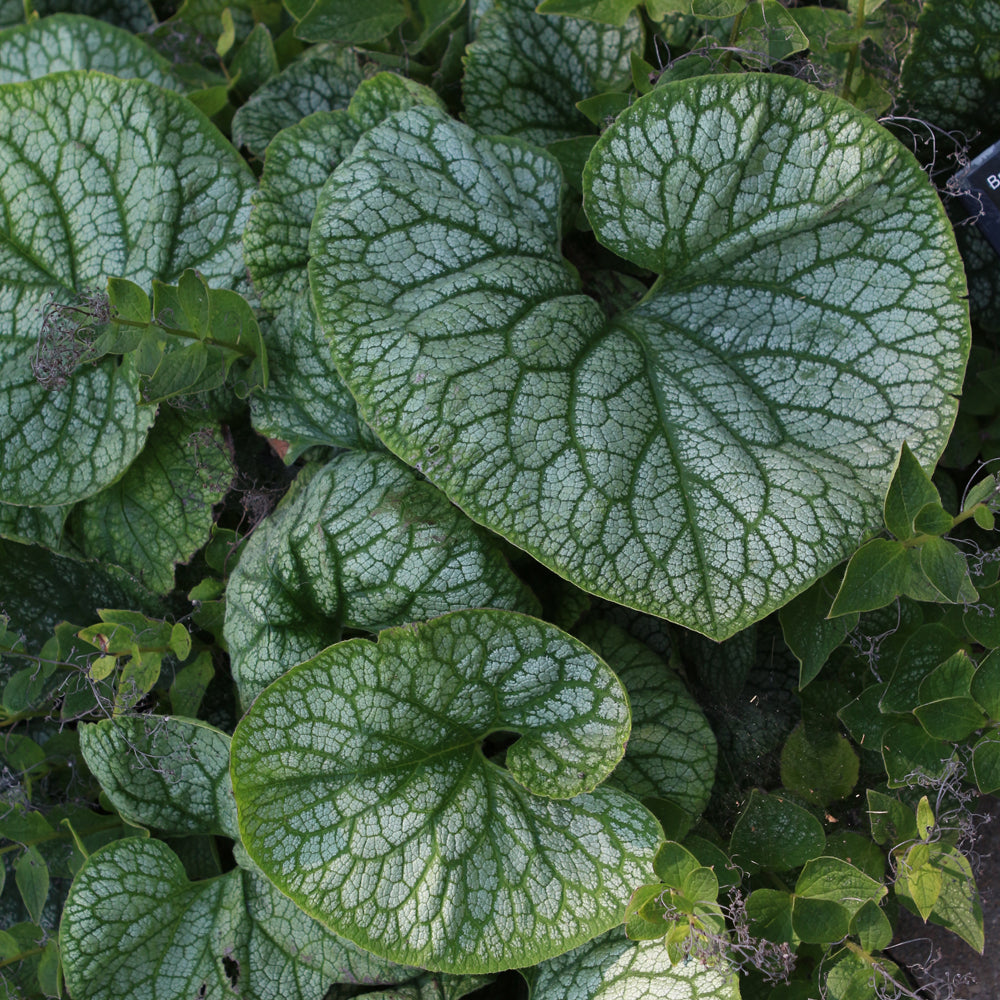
(99, 177)
(364, 544)
(708, 453)
(429, 852)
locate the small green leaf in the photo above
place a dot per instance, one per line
(129, 302)
(891, 821)
(602, 108)
(138, 677)
(921, 878)
(947, 571)
(819, 921)
(986, 762)
(770, 913)
(387, 739)
(768, 33)
(102, 667)
(933, 519)
(819, 771)
(808, 631)
(950, 719)
(925, 818)
(31, 874)
(673, 864)
(871, 927)
(876, 574)
(190, 684)
(773, 832)
(985, 518)
(836, 880)
(985, 685)
(717, 8)
(925, 648)
(170, 774)
(349, 23)
(907, 747)
(909, 491)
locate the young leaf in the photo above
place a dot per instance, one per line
(387, 741)
(833, 879)
(31, 874)
(909, 491)
(876, 575)
(598, 448)
(947, 571)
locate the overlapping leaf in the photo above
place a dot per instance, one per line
(707, 454)
(613, 968)
(365, 545)
(323, 79)
(503, 89)
(307, 402)
(428, 852)
(72, 41)
(99, 177)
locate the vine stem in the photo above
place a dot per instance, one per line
(733, 35)
(852, 61)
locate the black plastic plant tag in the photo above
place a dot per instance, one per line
(979, 186)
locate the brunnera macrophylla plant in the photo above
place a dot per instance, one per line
(560, 412)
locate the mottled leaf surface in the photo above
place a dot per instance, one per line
(160, 512)
(671, 753)
(164, 772)
(307, 402)
(134, 926)
(99, 177)
(952, 72)
(505, 92)
(428, 852)
(707, 454)
(72, 41)
(613, 968)
(365, 544)
(321, 80)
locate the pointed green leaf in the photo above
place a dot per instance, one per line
(606, 450)
(31, 874)
(986, 762)
(871, 927)
(71, 41)
(925, 648)
(984, 491)
(818, 771)
(190, 684)
(170, 774)
(849, 976)
(322, 79)
(773, 832)
(160, 512)
(910, 490)
(922, 880)
(770, 913)
(581, 59)
(985, 685)
(768, 33)
(925, 818)
(933, 519)
(946, 569)
(807, 630)
(891, 821)
(907, 748)
(348, 22)
(613, 968)
(364, 544)
(671, 753)
(819, 921)
(833, 879)
(876, 575)
(94, 175)
(950, 719)
(455, 862)
(982, 620)
(717, 8)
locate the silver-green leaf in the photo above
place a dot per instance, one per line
(428, 852)
(364, 544)
(99, 177)
(707, 454)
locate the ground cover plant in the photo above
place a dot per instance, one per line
(494, 502)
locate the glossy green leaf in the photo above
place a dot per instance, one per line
(671, 753)
(909, 491)
(323, 79)
(162, 772)
(613, 968)
(985, 685)
(71, 41)
(607, 450)
(348, 22)
(952, 72)
(307, 402)
(882, 570)
(836, 880)
(364, 545)
(452, 861)
(581, 59)
(160, 512)
(773, 832)
(94, 175)
(925, 648)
